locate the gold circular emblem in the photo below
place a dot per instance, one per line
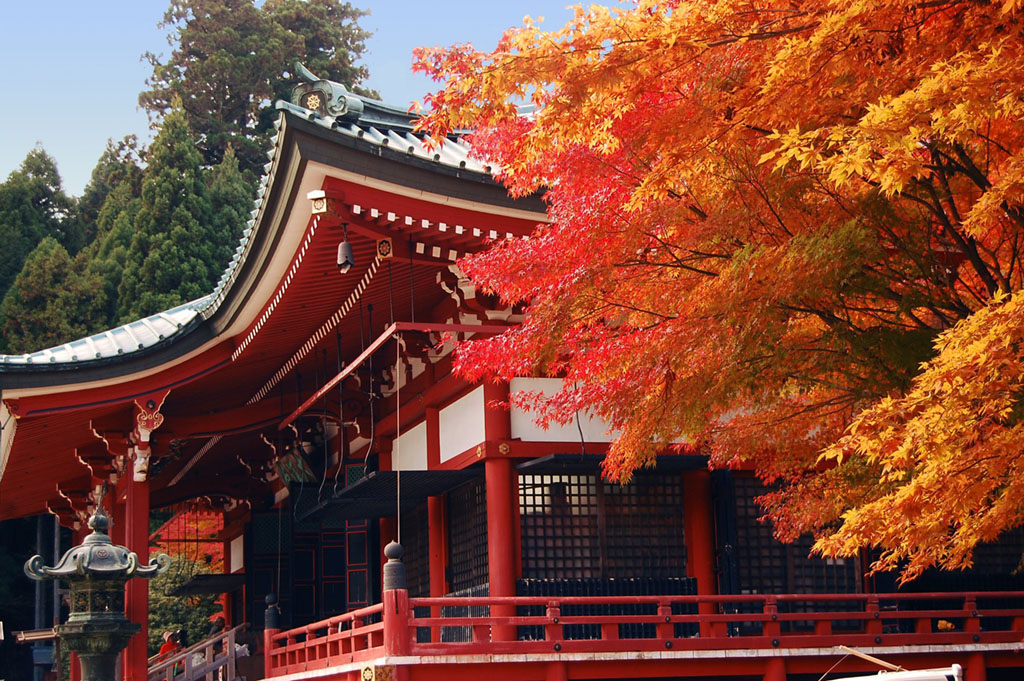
(313, 101)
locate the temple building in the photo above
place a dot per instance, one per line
(309, 400)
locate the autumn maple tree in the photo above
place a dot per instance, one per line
(788, 232)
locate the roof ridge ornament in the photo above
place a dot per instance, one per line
(325, 97)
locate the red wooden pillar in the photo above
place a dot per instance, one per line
(501, 568)
(500, 480)
(975, 667)
(136, 533)
(698, 529)
(435, 521)
(775, 670)
(438, 583)
(497, 423)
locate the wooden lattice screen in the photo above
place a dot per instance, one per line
(467, 528)
(578, 527)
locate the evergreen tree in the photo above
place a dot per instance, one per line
(119, 163)
(33, 205)
(49, 302)
(179, 246)
(230, 202)
(105, 258)
(332, 42)
(229, 59)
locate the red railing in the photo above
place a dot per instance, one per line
(427, 626)
(342, 639)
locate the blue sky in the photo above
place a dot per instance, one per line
(71, 73)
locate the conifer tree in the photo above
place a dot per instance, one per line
(174, 252)
(33, 205)
(106, 256)
(49, 302)
(230, 201)
(228, 63)
(119, 163)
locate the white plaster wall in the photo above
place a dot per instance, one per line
(525, 429)
(462, 424)
(237, 554)
(6, 436)
(409, 450)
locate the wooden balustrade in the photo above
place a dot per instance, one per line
(634, 623)
(352, 637)
(212, 659)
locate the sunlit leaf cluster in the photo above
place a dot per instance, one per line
(764, 214)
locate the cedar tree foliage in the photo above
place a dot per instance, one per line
(229, 61)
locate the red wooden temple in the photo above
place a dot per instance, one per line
(314, 406)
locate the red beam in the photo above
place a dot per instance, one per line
(388, 333)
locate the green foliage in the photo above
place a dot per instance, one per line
(50, 302)
(119, 164)
(228, 63)
(176, 250)
(107, 254)
(332, 41)
(230, 200)
(171, 613)
(33, 205)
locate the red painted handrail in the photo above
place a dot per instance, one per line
(352, 637)
(584, 624)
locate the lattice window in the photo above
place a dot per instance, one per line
(416, 542)
(577, 527)
(766, 565)
(467, 527)
(558, 522)
(643, 529)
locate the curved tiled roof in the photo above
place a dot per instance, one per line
(378, 125)
(382, 133)
(125, 339)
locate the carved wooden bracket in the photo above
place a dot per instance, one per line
(147, 419)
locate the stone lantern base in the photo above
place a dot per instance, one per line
(97, 645)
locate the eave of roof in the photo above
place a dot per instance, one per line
(153, 340)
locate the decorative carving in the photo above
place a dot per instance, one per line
(378, 673)
(325, 97)
(140, 464)
(147, 419)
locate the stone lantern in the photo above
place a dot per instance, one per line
(96, 572)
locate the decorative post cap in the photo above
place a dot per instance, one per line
(272, 614)
(394, 569)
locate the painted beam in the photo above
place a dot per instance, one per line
(396, 327)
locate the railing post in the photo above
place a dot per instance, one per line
(664, 627)
(271, 626)
(771, 608)
(553, 630)
(396, 602)
(874, 622)
(229, 648)
(972, 623)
